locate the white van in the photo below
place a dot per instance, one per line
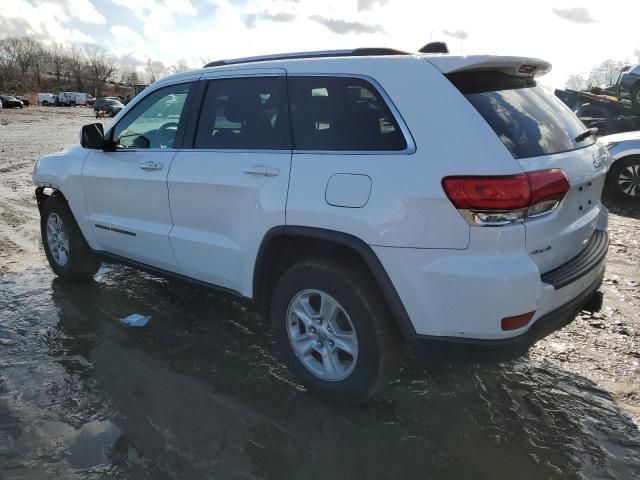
(71, 99)
(46, 99)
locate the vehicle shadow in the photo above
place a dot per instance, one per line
(198, 392)
(625, 209)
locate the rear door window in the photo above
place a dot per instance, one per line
(343, 114)
(529, 120)
(245, 113)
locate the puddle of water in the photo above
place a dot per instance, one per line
(198, 393)
(88, 445)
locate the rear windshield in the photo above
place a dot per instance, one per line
(529, 120)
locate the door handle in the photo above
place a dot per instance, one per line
(262, 170)
(148, 166)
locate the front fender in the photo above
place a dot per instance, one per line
(62, 171)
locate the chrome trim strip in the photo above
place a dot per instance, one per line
(411, 145)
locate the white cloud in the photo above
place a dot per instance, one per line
(46, 21)
(85, 11)
(172, 29)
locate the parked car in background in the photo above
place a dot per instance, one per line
(24, 100)
(46, 99)
(361, 203)
(629, 82)
(623, 179)
(9, 101)
(107, 106)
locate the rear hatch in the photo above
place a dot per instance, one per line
(541, 133)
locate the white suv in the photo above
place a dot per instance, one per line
(363, 199)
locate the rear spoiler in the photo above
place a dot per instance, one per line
(515, 66)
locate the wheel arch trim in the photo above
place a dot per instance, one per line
(351, 242)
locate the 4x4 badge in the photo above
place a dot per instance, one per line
(599, 161)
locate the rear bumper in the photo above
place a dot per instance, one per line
(462, 296)
(542, 327)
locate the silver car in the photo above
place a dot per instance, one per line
(623, 180)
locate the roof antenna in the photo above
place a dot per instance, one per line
(435, 47)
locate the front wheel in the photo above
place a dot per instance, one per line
(624, 179)
(334, 331)
(64, 245)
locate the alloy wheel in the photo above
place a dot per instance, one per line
(57, 239)
(629, 180)
(322, 335)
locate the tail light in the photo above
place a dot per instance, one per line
(501, 200)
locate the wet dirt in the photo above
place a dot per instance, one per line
(198, 392)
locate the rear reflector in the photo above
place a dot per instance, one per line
(519, 321)
(499, 200)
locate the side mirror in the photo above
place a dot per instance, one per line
(92, 136)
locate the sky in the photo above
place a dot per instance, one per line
(574, 35)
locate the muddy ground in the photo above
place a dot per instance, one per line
(199, 394)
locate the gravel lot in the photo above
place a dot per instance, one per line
(198, 392)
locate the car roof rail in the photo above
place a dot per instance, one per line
(358, 52)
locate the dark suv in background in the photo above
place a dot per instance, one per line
(109, 106)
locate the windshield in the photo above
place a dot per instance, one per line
(115, 103)
(529, 120)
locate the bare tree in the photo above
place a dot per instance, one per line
(39, 61)
(129, 76)
(101, 65)
(58, 60)
(155, 70)
(606, 73)
(179, 66)
(77, 64)
(577, 82)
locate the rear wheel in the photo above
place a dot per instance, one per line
(635, 95)
(334, 331)
(65, 247)
(45, 104)
(624, 179)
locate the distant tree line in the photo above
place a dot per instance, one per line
(602, 75)
(28, 65)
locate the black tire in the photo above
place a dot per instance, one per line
(45, 104)
(635, 95)
(72, 104)
(379, 341)
(81, 262)
(623, 170)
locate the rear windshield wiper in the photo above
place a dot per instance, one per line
(586, 134)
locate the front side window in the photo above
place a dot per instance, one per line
(154, 121)
(245, 113)
(341, 113)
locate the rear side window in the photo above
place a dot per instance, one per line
(245, 113)
(340, 113)
(529, 120)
